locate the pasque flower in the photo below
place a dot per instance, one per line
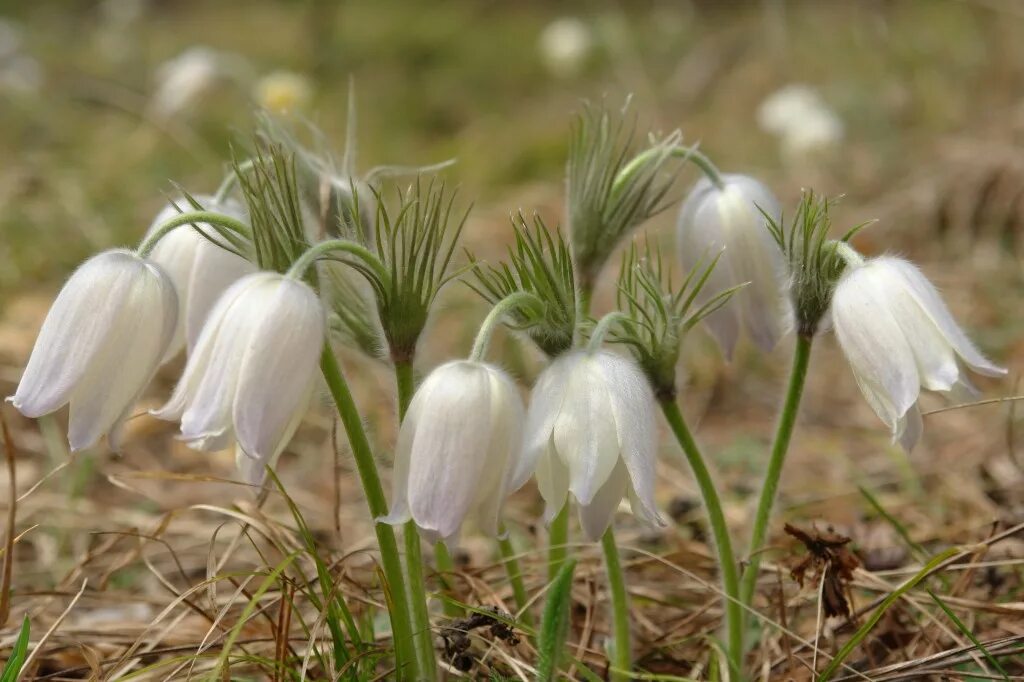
(200, 269)
(459, 450)
(590, 430)
(899, 337)
(253, 370)
(100, 345)
(730, 216)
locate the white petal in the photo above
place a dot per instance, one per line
(933, 305)
(207, 420)
(503, 451)
(754, 257)
(175, 253)
(279, 365)
(449, 448)
(552, 482)
(120, 370)
(584, 435)
(546, 400)
(936, 364)
(875, 347)
(215, 271)
(633, 408)
(596, 516)
(76, 327)
(909, 429)
(399, 509)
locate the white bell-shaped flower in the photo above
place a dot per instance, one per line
(730, 217)
(459, 450)
(590, 430)
(200, 269)
(100, 345)
(253, 370)
(899, 336)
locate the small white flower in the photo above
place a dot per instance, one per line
(459, 450)
(183, 79)
(798, 116)
(565, 45)
(252, 373)
(201, 270)
(590, 430)
(713, 218)
(100, 345)
(899, 337)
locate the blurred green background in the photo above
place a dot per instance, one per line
(89, 145)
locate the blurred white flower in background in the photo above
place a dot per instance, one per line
(801, 120)
(182, 80)
(283, 92)
(565, 45)
(20, 73)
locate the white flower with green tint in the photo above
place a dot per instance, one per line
(900, 337)
(459, 450)
(199, 265)
(100, 345)
(590, 430)
(253, 370)
(729, 216)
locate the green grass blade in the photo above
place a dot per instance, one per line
(13, 666)
(554, 627)
(916, 549)
(969, 635)
(871, 622)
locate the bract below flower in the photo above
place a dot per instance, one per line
(100, 345)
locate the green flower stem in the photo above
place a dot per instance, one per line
(558, 541)
(422, 635)
(622, 658)
(690, 154)
(603, 327)
(515, 577)
(445, 568)
(310, 256)
(500, 309)
(189, 218)
(719, 531)
(797, 377)
(398, 602)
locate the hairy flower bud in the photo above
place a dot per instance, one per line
(459, 450)
(253, 370)
(899, 337)
(730, 217)
(200, 269)
(100, 345)
(590, 430)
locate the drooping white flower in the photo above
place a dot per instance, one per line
(590, 430)
(899, 336)
(200, 269)
(100, 345)
(801, 120)
(183, 79)
(565, 45)
(712, 218)
(459, 450)
(252, 373)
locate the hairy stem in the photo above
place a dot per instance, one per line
(719, 531)
(422, 635)
(395, 592)
(445, 569)
(622, 658)
(783, 433)
(515, 577)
